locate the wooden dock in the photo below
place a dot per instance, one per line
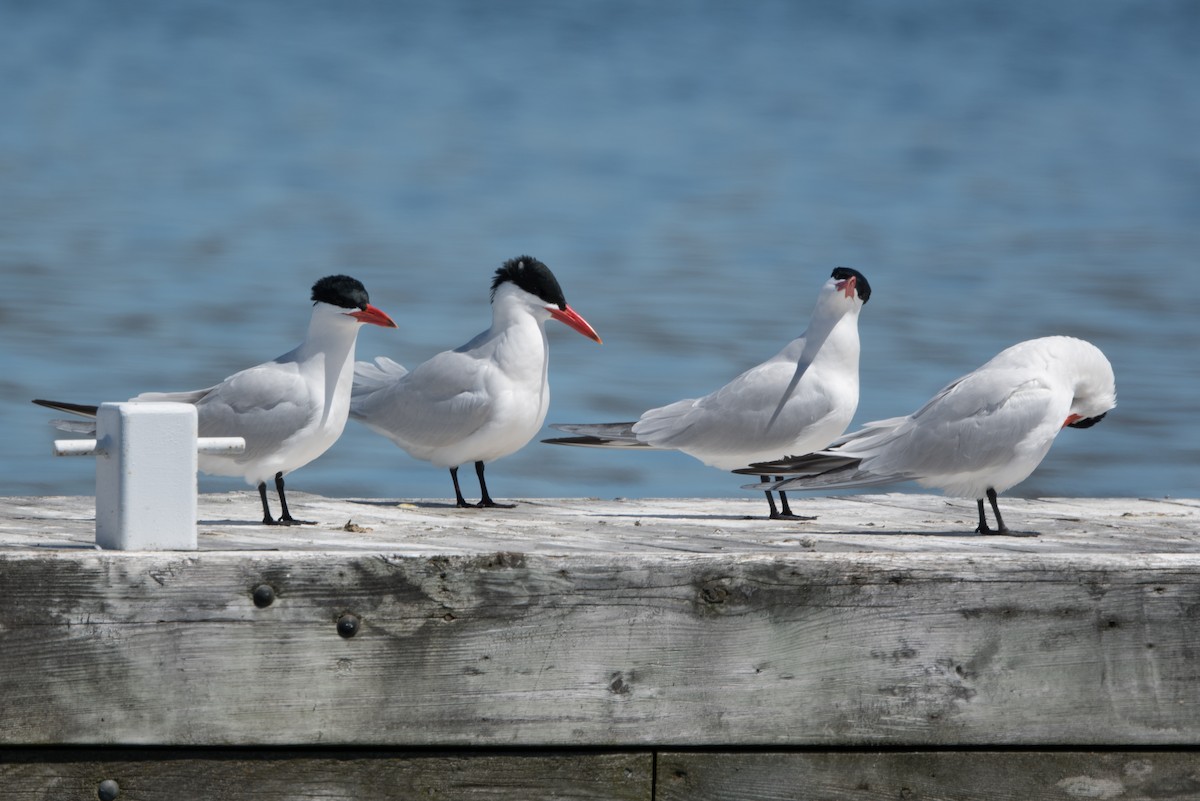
(621, 649)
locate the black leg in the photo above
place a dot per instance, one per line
(1000, 527)
(785, 511)
(485, 500)
(285, 517)
(770, 498)
(262, 493)
(982, 528)
(462, 503)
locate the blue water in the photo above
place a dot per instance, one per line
(174, 176)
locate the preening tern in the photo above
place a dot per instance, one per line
(979, 436)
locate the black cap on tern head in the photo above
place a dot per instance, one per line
(341, 290)
(860, 283)
(531, 275)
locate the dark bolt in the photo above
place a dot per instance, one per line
(108, 790)
(264, 596)
(347, 626)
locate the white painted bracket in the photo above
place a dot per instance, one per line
(146, 473)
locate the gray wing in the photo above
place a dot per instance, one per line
(265, 405)
(738, 416)
(975, 423)
(190, 396)
(440, 402)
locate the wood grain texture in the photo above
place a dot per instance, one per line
(928, 776)
(630, 649)
(170, 775)
(889, 523)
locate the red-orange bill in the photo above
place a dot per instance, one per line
(571, 318)
(373, 316)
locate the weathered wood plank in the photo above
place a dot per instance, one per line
(636, 648)
(898, 523)
(40, 774)
(929, 776)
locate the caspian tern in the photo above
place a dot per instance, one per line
(483, 400)
(979, 436)
(289, 410)
(799, 400)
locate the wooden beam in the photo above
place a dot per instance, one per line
(273, 775)
(962, 776)
(891, 523)
(637, 648)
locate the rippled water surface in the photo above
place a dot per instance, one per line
(173, 178)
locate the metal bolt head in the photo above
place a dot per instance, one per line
(108, 790)
(264, 596)
(347, 626)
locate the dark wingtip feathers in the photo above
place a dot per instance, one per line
(84, 409)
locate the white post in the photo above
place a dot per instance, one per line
(146, 473)
(146, 476)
